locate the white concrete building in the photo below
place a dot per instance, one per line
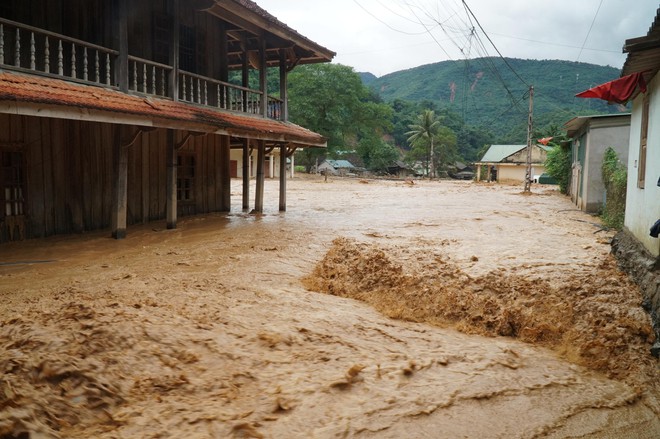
(643, 194)
(591, 136)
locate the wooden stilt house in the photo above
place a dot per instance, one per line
(118, 112)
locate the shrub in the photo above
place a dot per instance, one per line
(615, 178)
(558, 165)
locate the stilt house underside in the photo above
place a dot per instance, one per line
(121, 112)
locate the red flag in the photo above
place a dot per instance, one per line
(619, 91)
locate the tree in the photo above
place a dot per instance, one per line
(558, 161)
(422, 135)
(331, 100)
(376, 154)
(431, 143)
(558, 166)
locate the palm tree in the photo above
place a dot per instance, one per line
(423, 132)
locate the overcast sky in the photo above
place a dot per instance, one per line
(383, 36)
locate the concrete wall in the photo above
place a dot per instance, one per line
(587, 188)
(271, 168)
(643, 205)
(603, 133)
(517, 172)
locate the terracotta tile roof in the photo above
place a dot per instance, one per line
(29, 89)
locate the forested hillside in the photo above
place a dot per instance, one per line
(489, 96)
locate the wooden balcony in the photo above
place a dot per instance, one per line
(36, 51)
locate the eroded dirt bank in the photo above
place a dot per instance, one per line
(208, 332)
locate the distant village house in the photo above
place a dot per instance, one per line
(508, 163)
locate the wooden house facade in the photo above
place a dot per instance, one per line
(118, 112)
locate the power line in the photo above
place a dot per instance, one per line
(493, 44)
(589, 32)
(387, 24)
(555, 44)
(429, 32)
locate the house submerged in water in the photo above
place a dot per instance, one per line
(118, 112)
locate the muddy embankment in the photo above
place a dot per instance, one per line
(589, 318)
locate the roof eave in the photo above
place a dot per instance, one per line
(250, 11)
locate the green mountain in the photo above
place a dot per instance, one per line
(489, 93)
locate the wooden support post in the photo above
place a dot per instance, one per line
(245, 70)
(283, 150)
(259, 195)
(122, 61)
(174, 52)
(120, 184)
(171, 202)
(224, 48)
(284, 94)
(246, 174)
(225, 174)
(478, 172)
(263, 76)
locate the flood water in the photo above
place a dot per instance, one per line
(370, 309)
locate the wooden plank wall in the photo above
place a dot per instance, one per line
(69, 173)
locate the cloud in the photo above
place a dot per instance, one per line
(382, 36)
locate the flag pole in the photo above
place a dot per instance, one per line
(528, 174)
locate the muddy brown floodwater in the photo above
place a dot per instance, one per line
(370, 309)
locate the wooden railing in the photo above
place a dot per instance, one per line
(149, 77)
(32, 50)
(202, 90)
(27, 48)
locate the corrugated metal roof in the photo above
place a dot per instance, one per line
(497, 153)
(575, 124)
(644, 52)
(17, 89)
(337, 164)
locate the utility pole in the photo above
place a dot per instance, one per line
(528, 174)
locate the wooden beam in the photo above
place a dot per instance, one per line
(237, 14)
(174, 51)
(246, 174)
(119, 185)
(111, 117)
(201, 5)
(171, 201)
(283, 149)
(259, 195)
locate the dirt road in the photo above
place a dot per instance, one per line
(481, 312)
